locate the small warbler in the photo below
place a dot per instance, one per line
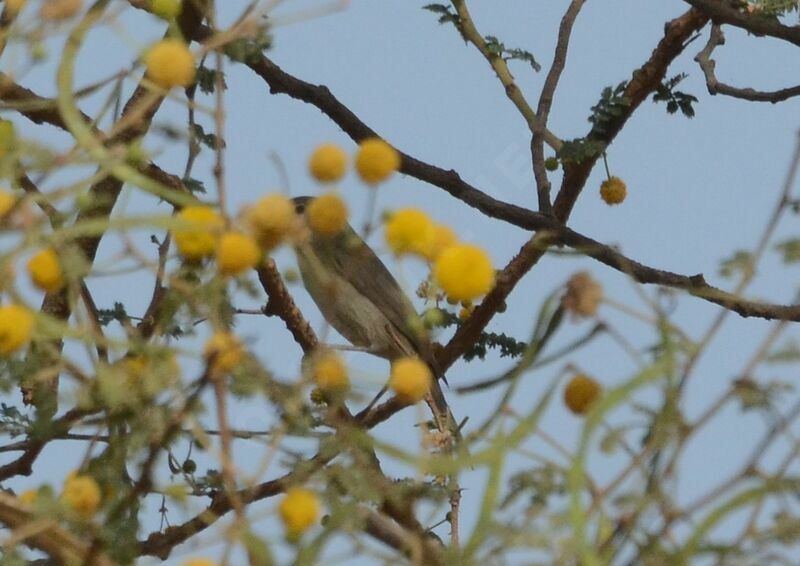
(360, 298)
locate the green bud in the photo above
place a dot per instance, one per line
(317, 396)
(38, 52)
(136, 155)
(433, 317)
(166, 9)
(551, 163)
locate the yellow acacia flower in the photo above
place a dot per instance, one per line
(464, 272)
(199, 562)
(28, 497)
(166, 9)
(376, 160)
(270, 219)
(583, 295)
(45, 270)
(410, 379)
(170, 63)
(410, 231)
(327, 214)
(224, 351)
(16, 328)
(138, 378)
(613, 190)
(7, 200)
(199, 238)
(236, 253)
(580, 393)
(81, 494)
(465, 313)
(443, 237)
(299, 510)
(328, 163)
(330, 372)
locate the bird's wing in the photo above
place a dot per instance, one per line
(370, 277)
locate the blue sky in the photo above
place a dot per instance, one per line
(698, 189)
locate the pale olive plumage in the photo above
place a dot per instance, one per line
(361, 299)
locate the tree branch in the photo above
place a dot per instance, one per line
(643, 82)
(546, 101)
(46, 536)
(707, 64)
(723, 12)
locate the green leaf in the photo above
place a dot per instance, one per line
(611, 105)
(577, 150)
(786, 354)
(740, 262)
(194, 185)
(790, 250)
(498, 49)
(675, 99)
(446, 16)
(107, 316)
(249, 49)
(208, 140)
(207, 80)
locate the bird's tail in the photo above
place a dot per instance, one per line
(443, 416)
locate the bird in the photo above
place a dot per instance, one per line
(359, 297)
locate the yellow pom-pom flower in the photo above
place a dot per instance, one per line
(170, 63)
(580, 393)
(411, 379)
(45, 270)
(330, 372)
(376, 160)
(410, 231)
(327, 215)
(613, 190)
(16, 328)
(224, 351)
(270, 219)
(81, 494)
(583, 295)
(166, 9)
(443, 238)
(198, 239)
(464, 272)
(199, 562)
(7, 201)
(236, 253)
(299, 510)
(328, 163)
(29, 496)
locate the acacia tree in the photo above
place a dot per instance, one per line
(144, 402)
